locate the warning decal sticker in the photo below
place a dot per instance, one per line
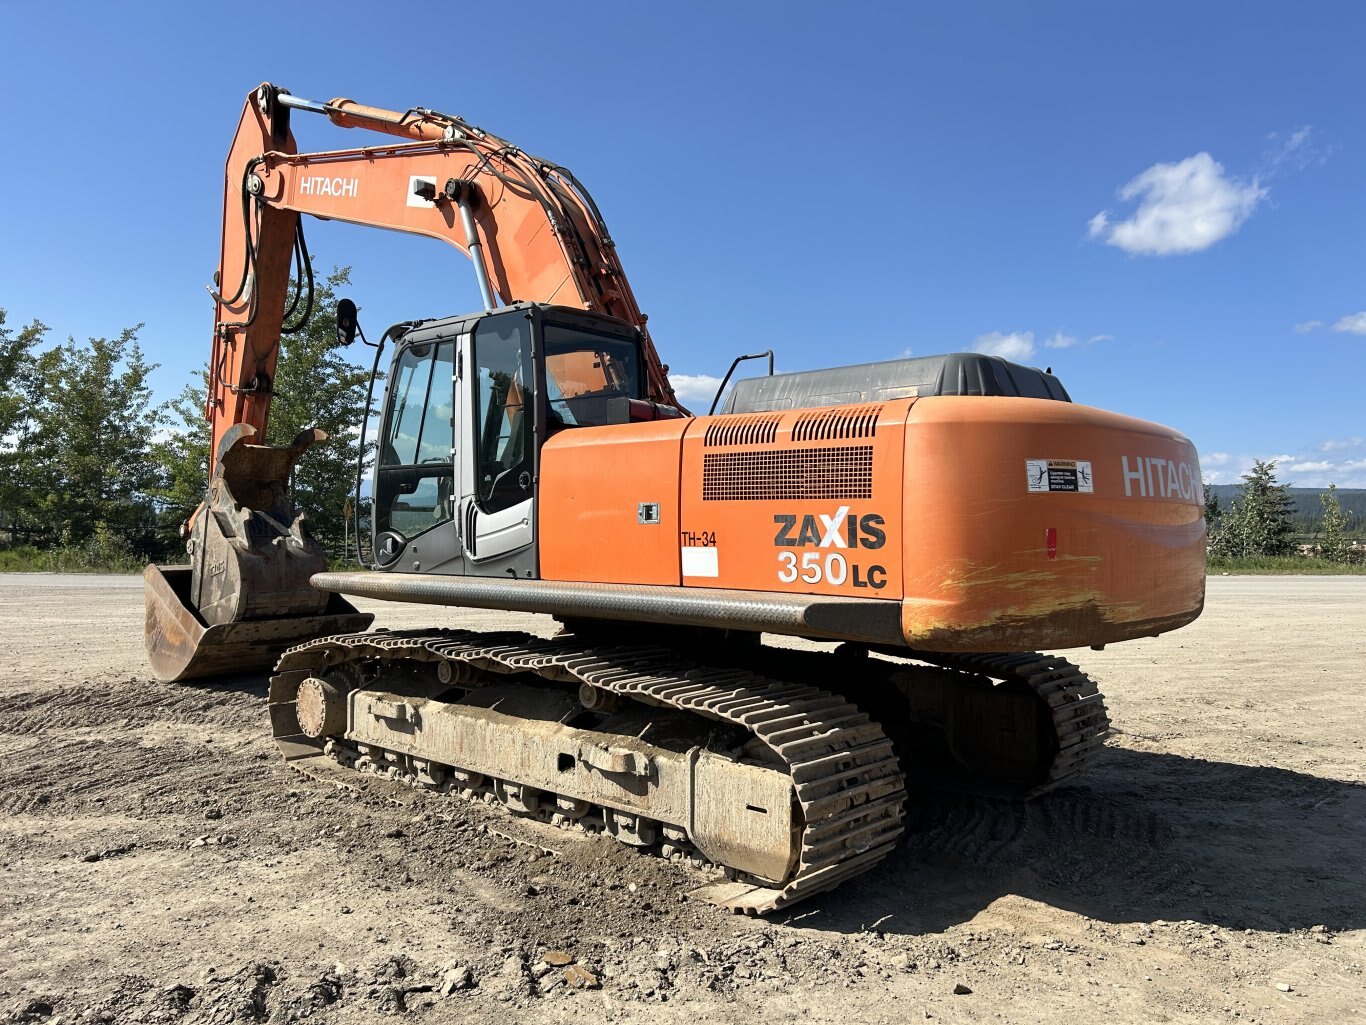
(1059, 475)
(700, 562)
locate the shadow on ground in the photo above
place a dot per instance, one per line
(255, 684)
(1148, 836)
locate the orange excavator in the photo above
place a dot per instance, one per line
(929, 522)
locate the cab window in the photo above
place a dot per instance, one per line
(583, 371)
(416, 479)
(502, 412)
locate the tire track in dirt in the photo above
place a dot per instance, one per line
(128, 746)
(134, 701)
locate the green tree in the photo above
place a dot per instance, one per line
(86, 462)
(182, 459)
(16, 373)
(315, 386)
(16, 404)
(318, 386)
(1211, 509)
(1258, 521)
(1334, 546)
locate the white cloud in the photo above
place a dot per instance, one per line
(1062, 340)
(1183, 208)
(1294, 152)
(1017, 345)
(1305, 470)
(906, 354)
(1337, 444)
(1296, 144)
(695, 387)
(1354, 323)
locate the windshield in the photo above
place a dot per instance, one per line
(583, 371)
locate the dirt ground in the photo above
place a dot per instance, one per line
(159, 864)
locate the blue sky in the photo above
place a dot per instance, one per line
(1163, 202)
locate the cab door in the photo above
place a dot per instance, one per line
(497, 461)
(415, 481)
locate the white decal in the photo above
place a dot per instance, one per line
(1072, 475)
(319, 185)
(1154, 477)
(700, 562)
(833, 525)
(813, 568)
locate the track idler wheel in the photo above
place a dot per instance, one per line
(321, 707)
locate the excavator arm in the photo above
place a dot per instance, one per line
(531, 231)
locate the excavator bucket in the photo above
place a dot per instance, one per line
(246, 596)
(181, 646)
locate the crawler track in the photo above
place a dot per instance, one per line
(1079, 718)
(845, 777)
(1067, 735)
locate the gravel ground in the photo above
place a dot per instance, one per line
(158, 864)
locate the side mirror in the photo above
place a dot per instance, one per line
(346, 322)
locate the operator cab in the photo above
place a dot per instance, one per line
(470, 401)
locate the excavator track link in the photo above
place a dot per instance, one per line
(845, 778)
(1079, 717)
(1073, 737)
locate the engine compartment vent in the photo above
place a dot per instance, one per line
(837, 424)
(741, 430)
(795, 474)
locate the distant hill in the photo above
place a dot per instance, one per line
(1306, 512)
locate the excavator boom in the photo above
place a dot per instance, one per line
(532, 231)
